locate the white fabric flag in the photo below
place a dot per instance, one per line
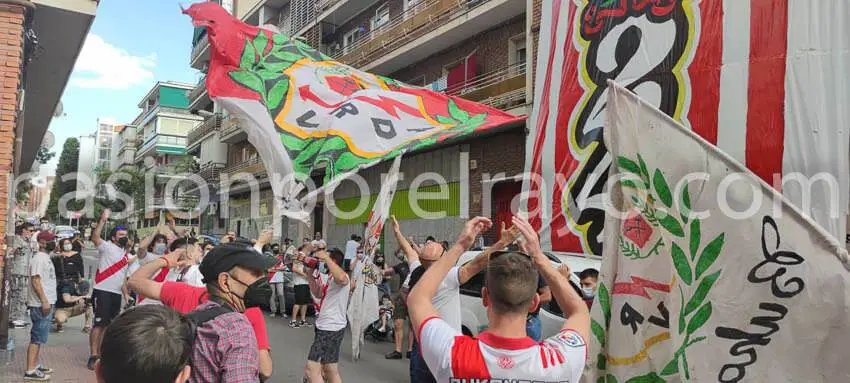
(709, 274)
(363, 306)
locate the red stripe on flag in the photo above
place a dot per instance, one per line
(540, 124)
(705, 72)
(766, 95)
(100, 276)
(570, 95)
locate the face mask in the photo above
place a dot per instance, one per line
(45, 226)
(323, 268)
(122, 242)
(379, 262)
(258, 293)
(159, 248)
(50, 246)
(66, 247)
(588, 292)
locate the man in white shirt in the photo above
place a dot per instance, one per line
(42, 296)
(504, 352)
(323, 359)
(351, 251)
(108, 282)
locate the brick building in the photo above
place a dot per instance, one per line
(475, 49)
(39, 44)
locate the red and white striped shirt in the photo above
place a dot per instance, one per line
(111, 267)
(491, 358)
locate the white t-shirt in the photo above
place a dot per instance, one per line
(41, 265)
(193, 277)
(111, 267)
(447, 300)
(351, 249)
(333, 307)
(488, 357)
(298, 280)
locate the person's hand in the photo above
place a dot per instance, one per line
(176, 258)
(265, 237)
(530, 243)
(396, 227)
(508, 235)
(472, 229)
(105, 215)
(565, 271)
(45, 307)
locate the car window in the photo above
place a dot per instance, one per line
(473, 286)
(553, 308)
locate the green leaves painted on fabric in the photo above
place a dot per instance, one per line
(680, 262)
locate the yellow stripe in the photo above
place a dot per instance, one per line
(629, 360)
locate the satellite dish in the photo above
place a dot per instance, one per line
(49, 140)
(60, 110)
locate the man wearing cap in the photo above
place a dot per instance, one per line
(42, 295)
(225, 347)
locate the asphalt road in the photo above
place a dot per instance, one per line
(290, 348)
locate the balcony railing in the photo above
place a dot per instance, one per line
(253, 166)
(161, 139)
(210, 171)
(229, 127)
(419, 19)
(198, 90)
(211, 124)
(198, 48)
(507, 100)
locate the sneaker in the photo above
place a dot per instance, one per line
(393, 355)
(86, 329)
(305, 323)
(18, 324)
(294, 324)
(92, 362)
(272, 315)
(44, 370)
(36, 375)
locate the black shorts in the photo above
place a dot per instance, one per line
(302, 295)
(325, 348)
(106, 306)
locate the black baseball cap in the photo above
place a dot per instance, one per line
(223, 258)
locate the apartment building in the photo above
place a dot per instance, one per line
(161, 131)
(123, 148)
(475, 49)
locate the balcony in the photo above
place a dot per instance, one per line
(197, 135)
(231, 131)
(210, 172)
(253, 166)
(162, 143)
(424, 28)
(503, 88)
(198, 96)
(200, 52)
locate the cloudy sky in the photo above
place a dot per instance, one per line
(131, 45)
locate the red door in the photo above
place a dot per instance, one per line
(503, 195)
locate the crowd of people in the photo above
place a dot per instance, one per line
(174, 309)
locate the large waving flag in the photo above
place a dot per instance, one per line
(301, 110)
(764, 80)
(709, 274)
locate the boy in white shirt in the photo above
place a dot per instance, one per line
(504, 351)
(323, 360)
(42, 296)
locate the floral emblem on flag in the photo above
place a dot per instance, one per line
(652, 229)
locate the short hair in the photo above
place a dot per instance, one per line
(430, 238)
(354, 237)
(20, 229)
(179, 242)
(337, 256)
(157, 237)
(589, 273)
(511, 282)
(149, 343)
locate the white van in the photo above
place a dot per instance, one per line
(474, 314)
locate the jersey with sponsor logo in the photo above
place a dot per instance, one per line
(493, 359)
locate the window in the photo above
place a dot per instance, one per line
(412, 7)
(418, 81)
(517, 53)
(473, 286)
(381, 18)
(350, 38)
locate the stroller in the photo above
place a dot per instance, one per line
(373, 332)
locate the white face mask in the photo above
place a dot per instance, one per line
(66, 247)
(588, 292)
(159, 248)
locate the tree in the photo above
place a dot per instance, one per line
(44, 155)
(67, 164)
(22, 193)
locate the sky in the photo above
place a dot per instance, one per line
(131, 46)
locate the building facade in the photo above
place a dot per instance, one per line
(41, 42)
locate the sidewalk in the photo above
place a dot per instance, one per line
(66, 353)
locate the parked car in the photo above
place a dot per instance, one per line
(474, 315)
(203, 238)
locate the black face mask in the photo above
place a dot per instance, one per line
(122, 242)
(258, 293)
(50, 246)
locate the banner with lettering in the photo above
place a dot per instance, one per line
(709, 274)
(761, 79)
(303, 111)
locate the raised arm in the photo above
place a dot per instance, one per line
(419, 301)
(339, 275)
(575, 310)
(478, 264)
(141, 281)
(412, 255)
(95, 236)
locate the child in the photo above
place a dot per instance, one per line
(385, 312)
